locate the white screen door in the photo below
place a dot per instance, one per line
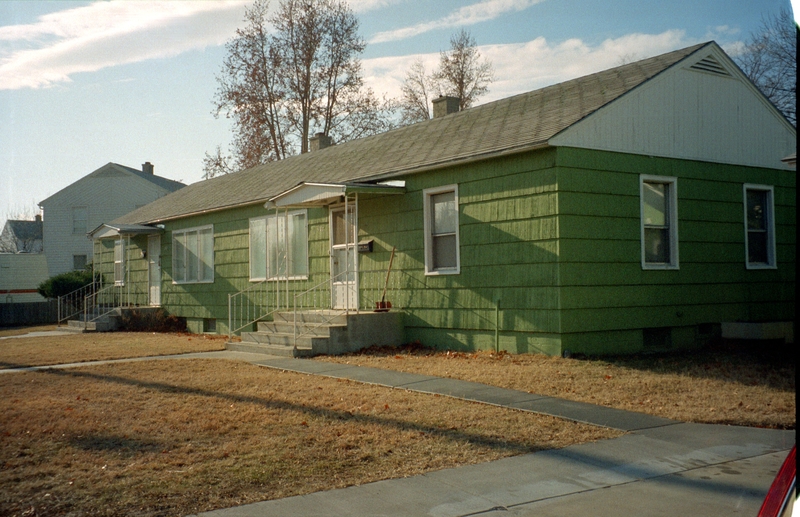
(154, 268)
(343, 259)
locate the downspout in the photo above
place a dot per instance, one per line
(497, 327)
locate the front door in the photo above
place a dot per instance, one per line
(344, 294)
(154, 268)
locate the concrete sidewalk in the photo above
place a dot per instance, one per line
(660, 467)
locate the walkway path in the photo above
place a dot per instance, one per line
(660, 467)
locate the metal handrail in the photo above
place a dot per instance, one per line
(250, 313)
(252, 304)
(317, 292)
(121, 296)
(72, 304)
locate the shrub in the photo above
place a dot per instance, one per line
(151, 321)
(65, 283)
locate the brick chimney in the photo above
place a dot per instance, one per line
(318, 142)
(147, 168)
(445, 105)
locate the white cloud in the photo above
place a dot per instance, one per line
(104, 34)
(522, 67)
(362, 6)
(467, 15)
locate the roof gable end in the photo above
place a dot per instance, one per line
(702, 107)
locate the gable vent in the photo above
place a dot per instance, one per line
(710, 64)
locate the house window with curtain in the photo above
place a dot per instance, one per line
(193, 255)
(119, 261)
(659, 221)
(759, 219)
(279, 246)
(441, 231)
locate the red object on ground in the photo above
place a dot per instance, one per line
(779, 490)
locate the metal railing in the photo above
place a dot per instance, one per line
(369, 288)
(255, 303)
(111, 298)
(72, 304)
(318, 299)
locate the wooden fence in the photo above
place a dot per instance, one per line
(31, 313)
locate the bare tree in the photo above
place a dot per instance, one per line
(217, 164)
(417, 93)
(251, 92)
(770, 61)
(461, 73)
(291, 75)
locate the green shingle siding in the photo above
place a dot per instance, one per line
(603, 286)
(553, 236)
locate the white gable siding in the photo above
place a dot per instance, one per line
(685, 113)
(20, 274)
(108, 193)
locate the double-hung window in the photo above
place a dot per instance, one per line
(441, 231)
(659, 221)
(759, 226)
(193, 255)
(119, 261)
(80, 220)
(279, 246)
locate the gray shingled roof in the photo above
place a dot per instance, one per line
(165, 183)
(513, 124)
(21, 237)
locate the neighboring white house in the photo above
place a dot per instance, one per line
(109, 192)
(23, 266)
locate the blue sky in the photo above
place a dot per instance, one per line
(87, 83)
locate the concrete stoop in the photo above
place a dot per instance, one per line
(322, 332)
(105, 323)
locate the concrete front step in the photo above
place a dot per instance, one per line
(324, 332)
(303, 328)
(325, 316)
(269, 349)
(102, 325)
(282, 339)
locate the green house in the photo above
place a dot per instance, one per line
(645, 207)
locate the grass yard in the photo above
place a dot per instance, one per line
(721, 385)
(75, 348)
(184, 436)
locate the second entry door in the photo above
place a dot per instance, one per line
(344, 294)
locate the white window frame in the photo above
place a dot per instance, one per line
(770, 215)
(671, 219)
(186, 231)
(84, 211)
(429, 266)
(119, 261)
(269, 274)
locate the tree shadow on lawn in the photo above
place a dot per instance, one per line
(124, 446)
(752, 363)
(120, 444)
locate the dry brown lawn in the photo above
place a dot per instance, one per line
(19, 331)
(721, 385)
(75, 348)
(184, 436)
